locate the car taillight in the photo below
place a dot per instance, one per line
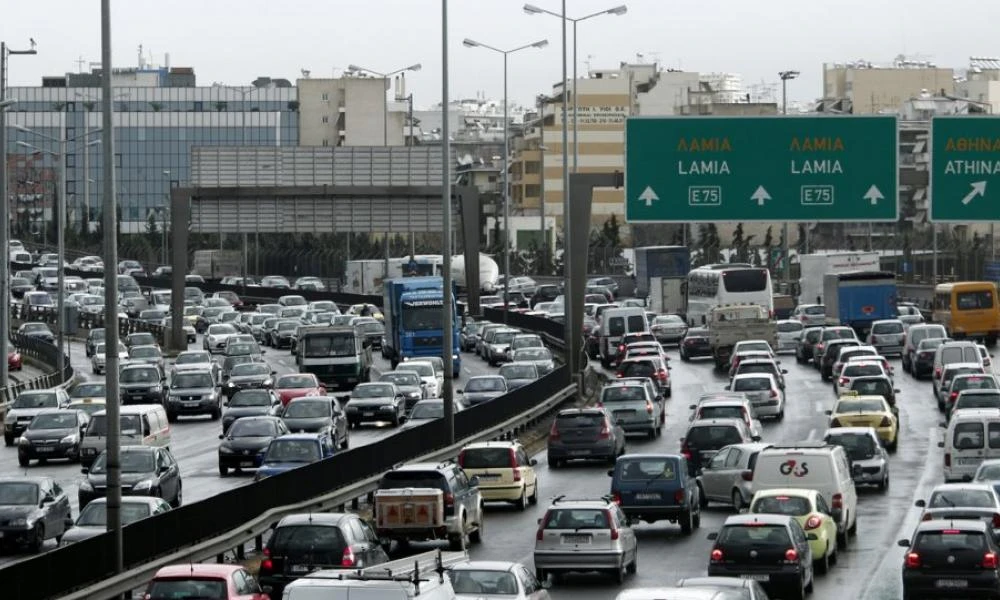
(461, 459)
(747, 475)
(347, 559)
(947, 459)
(990, 560)
(924, 355)
(649, 407)
(605, 430)
(614, 529)
(619, 375)
(616, 498)
(685, 451)
(267, 564)
(937, 373)
(834, 422)
(621, 348)
(927, 517)
(679, 497)
(716, 555)
(996, 521)
(819, 347)
(774, 394)
(838, 501)
(912, 560)
(662, 374)
(449, 499)
(539, 534)
(844, 381)
(952, 396)
(791, 555)
(514, 467)
(813, 522)
(554, 432)
(886, 422)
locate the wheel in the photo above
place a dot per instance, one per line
(684, 356)
(522, 502)
(702, 498)
(395, 420)
(554, 463)
(533, 498)
(697, 520)
(541, 575)
(619, 574)
(669, 391)
(781, 415)
(171, 417)
(216, 412)
(737, 500)
(23, 460)
(894, 445)
(223, 470)
(459, 542)
(687, 523)
(179, 499)
(347, 441)
(809, 586)
(8, 440)
(841, 539)
(38, 539)
(835, 554)
(476, 537)
(652, 433)
(823, 564)
(854, 528)
(634, 565)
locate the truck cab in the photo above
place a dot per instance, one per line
(337, 355)
(412, 309)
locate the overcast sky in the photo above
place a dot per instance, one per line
(235, 41)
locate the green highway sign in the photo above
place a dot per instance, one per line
(965, 169)
(778, 168)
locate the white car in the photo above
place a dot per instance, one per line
(764, 393)
(856, 368)
(99, 361)
(427, 375)
(217, 335)
(789, 332)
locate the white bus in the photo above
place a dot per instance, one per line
(710, 286)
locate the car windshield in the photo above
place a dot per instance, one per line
(63, 419)
(962, 497)
(483, 582)
(713, 436)
(192, 380)
(283, 450)
(518, 372)
(99, 425)
(504, 337)
(36, 400)
(576, 518)
(247, 369)
(132, 462)
(95, 514)
(753, 535)
(296, 381)
(861, 370)
(308, 409)
(287, 326)
(17, 492)
(35, 328)
(862, 405)
(188, 588)
(887, 328)
(252, 428)
(793, 506)
(401, 378)
(751, 384)
(647, 469)
(427, 410)
(251, 398)
(372, 391)
(371, 327)
(857, 446)
(145, 352)
(321, 345)
(485, 384)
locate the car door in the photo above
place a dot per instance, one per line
(52, 516)
(712, 475)
(172, 474)
(459, 483)
(631, 545)
(527, 471)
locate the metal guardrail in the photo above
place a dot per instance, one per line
(45, 353)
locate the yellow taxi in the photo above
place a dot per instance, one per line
(855, 410)
(505, 472)
(810, 509)
(88, 397)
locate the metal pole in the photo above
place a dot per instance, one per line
(385, 143)
(446, 314)
(506, 197)
(5, 225)
(786, 268)
(541, 187)
(409, 144)
(934, 272)
(61, 255)
(567, 249)
(111, 293)
(576, 133)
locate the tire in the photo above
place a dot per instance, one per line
(8, 440)
(809, 586)
(842, 539)
(476, 537)
(697, 520)
(853, 530)
(634, 565)
(554, 463)
(533, 498)
(23, 461)
(522, 502)
(179, 499)
(781, 415)
(685, 357)
(737, 500)
(216, 412)
(458, 543)
(541, 575)
(38, 540)
(651, 434)
(702, 498)
(171, 417)
(669, 392)
(619, 574)
(347, 441)
(823, 564)
(223, 470)
(894, 445)
(687, 523)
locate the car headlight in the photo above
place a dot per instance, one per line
(225, 450)
(268, 382)
(145, 484)
(413, 395)
(23, 441)
(230, 384)
(85, 486)
(69, 439)
(21, 522)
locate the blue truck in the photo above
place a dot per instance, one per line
(859, 298)
(412, 308)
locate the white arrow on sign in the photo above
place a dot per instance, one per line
(648, 195)
(874, 194)
(978, 189)
(760, 195)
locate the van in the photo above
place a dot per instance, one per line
(815, 466)
(614, 324)
(973, 435)
(954, 352)
(968, 309)
(141, 425)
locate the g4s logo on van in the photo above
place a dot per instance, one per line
(791, 467)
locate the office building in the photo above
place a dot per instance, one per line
(864, 88)
(352, 111)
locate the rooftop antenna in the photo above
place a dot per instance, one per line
(587, 62)
(79, 64)
(305, 73)
(140, 56)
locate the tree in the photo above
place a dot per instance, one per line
(800, 245)
(737, 247)
(221, 105)
(611, 232)
(712, 244)
(766, 246)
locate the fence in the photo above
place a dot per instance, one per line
(46, 354)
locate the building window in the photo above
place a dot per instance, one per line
(71, 160)
(326, 119)
(326, 142)
(532, 167)
(326, 96)
(532, 190)
(199, 106)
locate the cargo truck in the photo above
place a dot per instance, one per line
(669, 262)
(413, 326)
(668, 295)
(735, 323)
(814, 267)
(857, 299)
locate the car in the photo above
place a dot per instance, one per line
(654, 368)
(291, 451)
(318, 414)
(246, 440)
(518, 374)
(94, 337)
(599, 532)
(216, 336)
(808, 339)
(204, 580)
(252, 402)
(429, 409)
(872, 410)
(428, 375)
(844, 355)
(99, 358)
(438, 367)
(194, 360)
(483, 388)
(141, 384)
(948, 373)
(810, 315)
(869, 459)
(88, 396)
(140, 338)
(38, 331)
(888, 336)
(732, 587)
(706, 437)
(35, 509)
(668, 329)
(973, 399)
(371, 331)
(479, 578)
(467, 337)
(524, 340)
(409, 385)
(93, 518)
(812, 513)
(584, 433)
(296, 385)
(829, 337)
(857, 368)
(959, 557)
(916, 334)
(541, 358)
(761, 365)
(657, 487)
(696, 344)
(495, 348)
(149, 355)
(193, 393)
(643, 350)
(789, 332)
(248, 375)
(877, 385)
(748, 354)
(52, 433)
(921, 361)
(305, 542)
(634, 406)
(988, 472)
(376, 402)
(505, 472)
(26, 405)
(772, 549)
(969, 381)
(955, 351)
(831, 352)
(763, 391)
(145, 471)
(726, 477)
(727, 405)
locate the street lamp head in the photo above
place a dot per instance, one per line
(786, 75)
(415, 67)
(618, 10)
(540, 44)
(22, 128)
(354, 68)
(531, 9)
(469, 43)
(8, 102)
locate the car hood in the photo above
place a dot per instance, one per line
(499, 347)
(255, 443)
(192, 367)
(16, 511)
(513, 384)
(49, 434)
(140, 385)
(274, 468)
(248, 379)
(307, 425)
(409, 389)
(16, 413)
(198, 391)
(237, 412)
(129, 479)
(481, 396)
(79, 533)
(359, 402)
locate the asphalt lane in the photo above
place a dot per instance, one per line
(869, 568)
(195, 440)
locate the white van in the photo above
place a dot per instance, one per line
(973, 435)
(813, 466)
(141, 425)
(955, 352)
(615, 323)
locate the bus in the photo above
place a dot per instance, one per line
(710, 286)
(968, 309)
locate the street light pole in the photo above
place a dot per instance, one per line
(787, 265)
(446, 309)
(506, 161)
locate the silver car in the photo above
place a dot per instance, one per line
(488, 579)
(540, 357)
(888, 336)
(582, 536)
(789, 332)
(728, 477)
(99, 360)
(869, 460)
(764, 392)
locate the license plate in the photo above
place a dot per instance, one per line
(579, 452)
(246, 463)
(299, 568)
(951, 583)
(369, 413)
(44, 449)
(488, 476)
(647, 496)
(576, 539)
(756, 577)
(190, 404)
(968, 461)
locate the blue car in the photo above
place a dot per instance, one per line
(293, 451)
(657, 487)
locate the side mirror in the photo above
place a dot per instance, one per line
(474, 481)
(611, 472)
(942, 424)
(920, 504)
(273, 372)
(713, 536)
(895, 391)
(784, 371)
(940, 444)
(756, 438)
(828, 412)
(532, 462)
(226, 403)
(459, 391)
(903, 543)
(539, 521)
(222, 436)
(812, 537)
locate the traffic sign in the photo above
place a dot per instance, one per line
(777, 168)
(965, 169)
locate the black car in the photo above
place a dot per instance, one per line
(37, 330)
(32, 510)
(145, 471)
(831, 351)
(193, 393)
(245, 442)
(141, 384)
(19, 286)
(483, 388)
(317, 414)
(248, 376)
(408, 383)
(257, 402)
(303, 543)
(695, 344)
(773, 548)
(231, 361)
(922, 362)
(374, 402)
(807, 342)
(876, 385)
(951, 558)
(53, 433)
(94, 337)
(829, 334)
(545, 293)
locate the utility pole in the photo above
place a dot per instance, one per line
(447, 337)
(787, 264)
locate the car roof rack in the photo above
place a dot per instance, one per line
(564, 498)
(802, 444)
(407, 570)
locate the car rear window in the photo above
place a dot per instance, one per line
(974, 383)
(325, 545)
(793, 506)
(873, 387)
(579, 420)
(977, 401)
(413, 479)
(188, 587)
(638, 369)
(968, 436)
(950, 541)
(749, 536)
(884, 328)
(485, 458)
(713, 436)
(961, 497)
(751, 384)
(721, 412)
(648, 468)
(623, 394)
(861, 370)
(840, 333)
(757, 368)
(576, 518)
(815, 310)
(857, 446)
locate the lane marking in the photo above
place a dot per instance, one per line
(812, 434)
(819, 406)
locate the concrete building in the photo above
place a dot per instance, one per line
(864, 88)
(352, 111)
(981, 84)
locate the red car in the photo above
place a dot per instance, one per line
(209, 580)
(14, 361)
(295, 385)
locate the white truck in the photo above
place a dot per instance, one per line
(666, 295)
(814, 267)
(735, 323)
